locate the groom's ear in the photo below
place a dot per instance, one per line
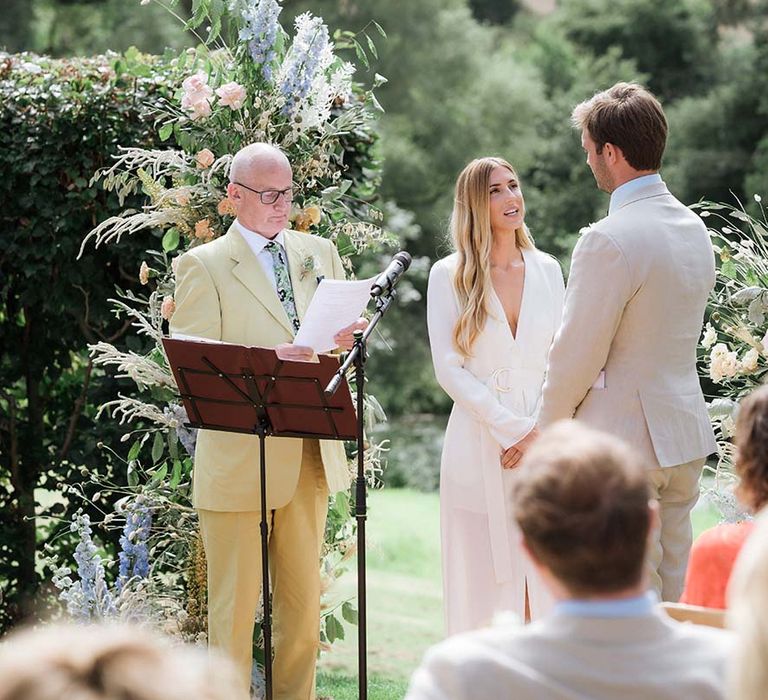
(613, 153)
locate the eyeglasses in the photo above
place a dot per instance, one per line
(270, 196)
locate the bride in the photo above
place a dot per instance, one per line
(493, 308)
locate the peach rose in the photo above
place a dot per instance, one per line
(144, 273)
(226, 208)
(167, 308)
(205, 158)
(203, 230)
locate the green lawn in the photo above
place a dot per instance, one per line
(404, 595)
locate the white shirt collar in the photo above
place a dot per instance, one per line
(256, 241)
(623, 192)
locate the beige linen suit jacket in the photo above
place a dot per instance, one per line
(564, 657)
(223, 293)
(624, 360)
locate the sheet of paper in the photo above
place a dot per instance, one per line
(335, 305)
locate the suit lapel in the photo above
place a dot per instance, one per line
(302, 288)
(251, 274)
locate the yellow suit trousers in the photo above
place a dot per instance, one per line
(233, 551)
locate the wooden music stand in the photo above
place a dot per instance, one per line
(241, 389)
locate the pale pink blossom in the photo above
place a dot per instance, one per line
(205, 158)
(174, 265)
(144, 273)
(197, 95)
(231, 95)
(167, 308)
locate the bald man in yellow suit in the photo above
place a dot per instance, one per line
(251, 287)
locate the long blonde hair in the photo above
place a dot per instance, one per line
(471, 234)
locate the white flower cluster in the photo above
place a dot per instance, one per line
(725, 363)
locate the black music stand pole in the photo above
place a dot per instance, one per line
(357, 357)
(361, 514)
(266, 620)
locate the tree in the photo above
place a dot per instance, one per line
(671, 42)
(59, 122)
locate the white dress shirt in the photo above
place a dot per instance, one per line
(257, 243)
(623, 192)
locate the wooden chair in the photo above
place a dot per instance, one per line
(698, 615)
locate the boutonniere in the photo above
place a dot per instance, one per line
(309, 265)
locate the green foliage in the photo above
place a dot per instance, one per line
(671, 42)
(59, 121)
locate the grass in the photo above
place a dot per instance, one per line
(404, 595)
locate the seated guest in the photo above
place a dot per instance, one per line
(89, 662)
(714, 552)
(747, 612)
(583, 505)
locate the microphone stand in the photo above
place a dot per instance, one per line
(357, 356)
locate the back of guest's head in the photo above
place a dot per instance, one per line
(581, 500)
(751, 463)
(88, 662)
(747, 615)
(628, 116)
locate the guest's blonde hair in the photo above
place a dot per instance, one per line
(747, 615)
(89, 662)
(472, 236)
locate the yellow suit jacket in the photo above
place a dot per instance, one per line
(223, 293)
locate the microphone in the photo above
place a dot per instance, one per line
(386, 281)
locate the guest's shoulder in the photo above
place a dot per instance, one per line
(468, 647)
(700, 640)
(723, 535)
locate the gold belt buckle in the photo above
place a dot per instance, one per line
(499, 386)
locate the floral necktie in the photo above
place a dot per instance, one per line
(283, 279)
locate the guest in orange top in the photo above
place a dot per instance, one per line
(715, 551)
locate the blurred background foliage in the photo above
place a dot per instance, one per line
(475, 77)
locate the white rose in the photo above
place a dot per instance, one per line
(749, 361)
(722, 363)
(709, 338)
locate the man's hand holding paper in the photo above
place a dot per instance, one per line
(334, 314)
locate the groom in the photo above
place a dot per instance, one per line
(624, 360)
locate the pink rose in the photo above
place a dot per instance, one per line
(205, 158)
(231, 95)
(167, 308)
(197, 95)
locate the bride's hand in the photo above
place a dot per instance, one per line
(510, 458)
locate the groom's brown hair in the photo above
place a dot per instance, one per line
(581, 501)
(628, 116)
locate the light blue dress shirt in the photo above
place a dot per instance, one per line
(641, 606)
(623, 192)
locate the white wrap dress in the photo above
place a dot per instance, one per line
(496, 394)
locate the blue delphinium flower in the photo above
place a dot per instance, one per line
(134, 554)
(260, 27)
(305, 58)
(89, 597)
